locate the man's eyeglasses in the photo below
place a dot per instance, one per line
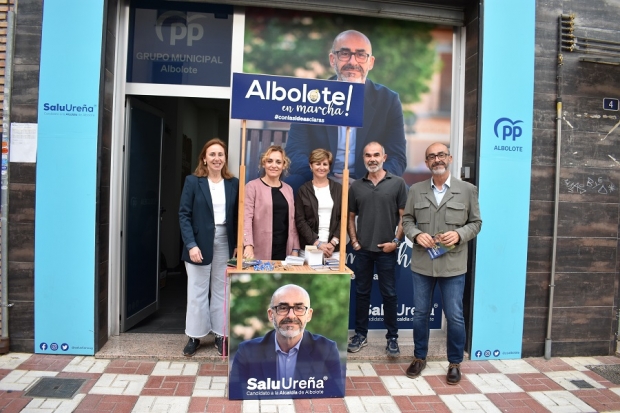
(441, 156)
(344, 55)
(283, 309)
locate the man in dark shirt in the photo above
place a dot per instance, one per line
(378, 201)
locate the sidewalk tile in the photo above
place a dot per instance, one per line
(103, 403)
(561, 401)
(418, 404)
(565, 378)
(371, 404)
(168, 404)
(214, 404)
(169, 386)
(331, 405)
(12, 401)
(365, 386)
(441, 386)
(123, 366)
(477, 367)
(469, 403)
(213, 369)
(516, 403)
(83, 364)
(494, 383)
(390, 369)
(22, 379)
(207, 386)
(513, 366)
(123, 384)
(404, 386)
(360, 369)
(46, 362)
(534, 382)
(53, 405)
(601, 400)
(12, 361)
(543, 366)
(175, 368)
(580, 363)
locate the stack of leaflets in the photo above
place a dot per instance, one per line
(293, 260)
(332, 262)
(245, 264)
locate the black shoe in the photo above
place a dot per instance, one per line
(415, 368)
(190, 348)
(392, 348)
(454, 373)
(357, 342)
(221, 344)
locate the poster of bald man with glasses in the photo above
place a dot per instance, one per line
(351, 58)
(288, 361)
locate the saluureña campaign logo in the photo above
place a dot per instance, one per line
(297, 100)
(68, 109)
(507, 129)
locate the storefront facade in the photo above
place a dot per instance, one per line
(68, 211)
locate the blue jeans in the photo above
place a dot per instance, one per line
(452, 298)
(364, 270)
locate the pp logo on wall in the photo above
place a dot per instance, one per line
(508, 131)
(180, 43)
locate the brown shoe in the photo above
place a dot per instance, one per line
(415, 368)
(454, 373)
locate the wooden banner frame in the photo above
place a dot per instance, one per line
(344, 201)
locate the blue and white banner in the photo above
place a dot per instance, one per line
(297, 100)
(504, 185)
(66, 198)
(180, 43)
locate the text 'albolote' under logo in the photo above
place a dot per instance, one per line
(508, 128)
(68, 109)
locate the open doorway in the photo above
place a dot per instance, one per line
(188, 123)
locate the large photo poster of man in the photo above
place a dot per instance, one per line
(288, 335)
(407, 70)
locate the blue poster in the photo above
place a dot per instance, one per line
(180, 43)
(66, 180)
(505, 173)
(297, 100)
(404, 287)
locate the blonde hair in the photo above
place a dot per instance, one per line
(202, 170)
(268, 152)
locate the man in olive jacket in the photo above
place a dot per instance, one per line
(441, 212)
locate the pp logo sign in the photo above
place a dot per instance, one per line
(508, 128)
(183, 30)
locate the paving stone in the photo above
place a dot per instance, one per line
(168, 404)
(561, 401)
(22, 379)
(566, 379)
(85, 364)
(123, 384)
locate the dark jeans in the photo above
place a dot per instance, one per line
(452, 298)
(364, 271)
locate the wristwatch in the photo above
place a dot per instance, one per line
(397, 242)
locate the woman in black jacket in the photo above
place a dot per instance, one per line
(208, 221)
(318, 206)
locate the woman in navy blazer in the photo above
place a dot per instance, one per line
(208, 221)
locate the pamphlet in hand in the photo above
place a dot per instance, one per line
(439, 249)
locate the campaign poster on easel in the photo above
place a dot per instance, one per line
(288, 335)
